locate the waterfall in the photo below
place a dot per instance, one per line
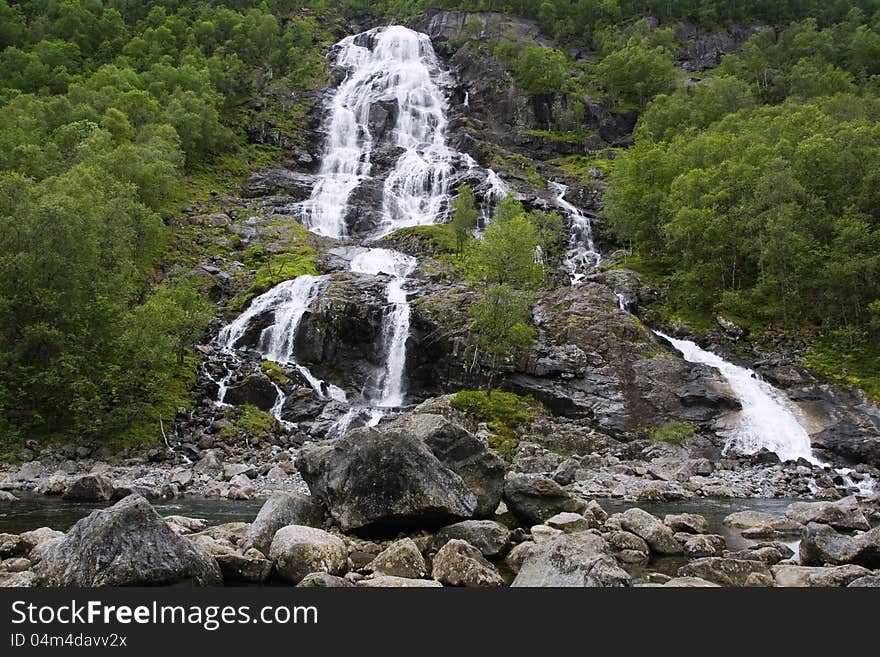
(581, 256)
(396, 66)
(767, 420)
(288, 302)
(395, 325)
(494, 190)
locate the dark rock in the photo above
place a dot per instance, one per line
(384, 480)
(820, 544)
(256, 390)
(90, 488)
(481, 469)
(534, 498)
(125, 545)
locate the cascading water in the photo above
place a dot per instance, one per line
(397, 65)
(395, 329)
(581, 256)
(767, 420)
(493, 191)
(288, 302)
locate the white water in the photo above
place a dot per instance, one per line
(398, 65)
(767, 420)
(493, 191)
(395, 329)
(581, 256)
(288, 301)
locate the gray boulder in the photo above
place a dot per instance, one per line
(842, 514)
(489, 537)
(786, 575)
(571, 560)
(728, 572)
(535, 498)
(384, 481)
(280, 510)
(756, 519)
(655, 533)
(868, 581)
(324, 581)
(481, 469)
(458, 563)
(400, 559)
(690, 523)
(298, 550)
(125, 545)
(820, 544)
(389, 582)
(89, 488)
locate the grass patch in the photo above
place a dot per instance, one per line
(674, 433)
(518, 166)
(277, 268)
(439, 238)
(853, 361)
(563, 137)
(505, 413)
(580, 166)
(275, 372)
(249, 420)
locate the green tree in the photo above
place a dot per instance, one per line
(637, 72)
(506, 255)
(501, 325)
(464, 216)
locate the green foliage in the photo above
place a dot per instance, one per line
(249, 421)
(674, 433)
(275, 372)
(506, 253)
(464, 216)
(281, 267)
(541, 71)
(501, 322)
(505, 413)
(768, 214)
(440, 238)
(637, 72)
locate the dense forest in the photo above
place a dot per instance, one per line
(752, 190)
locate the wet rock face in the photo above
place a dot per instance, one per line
(125, 545)
(384, 480)
(340, 337)
(596, 361)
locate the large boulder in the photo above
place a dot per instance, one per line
(90, 488)
(652, 530)
(481, 469)
(280, 510)
(728, 572)
(571, 560)
(458, 563)
(126, 545)
(297, 551)
(842, 514)
(821, 544)
(256, 390)
(384, 481)
(489, 537)
(535, 498)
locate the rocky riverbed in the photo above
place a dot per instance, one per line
(422, 501)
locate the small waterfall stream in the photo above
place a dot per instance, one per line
(581, 256)
(395, 329)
